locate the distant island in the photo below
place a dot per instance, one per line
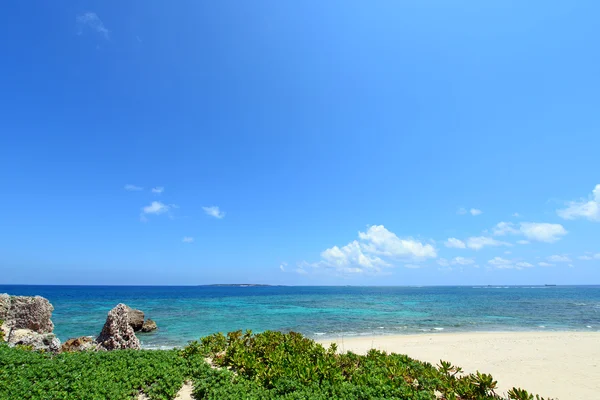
(240, 285)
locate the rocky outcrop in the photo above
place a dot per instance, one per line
(38, 341)
(149, 326)
(27, 322)
(136, 318)
(25, 312)
(4, 306)
(117, 333)
(84, 343)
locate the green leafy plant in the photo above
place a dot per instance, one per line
(243, 365)
(275, 365)
(521, 394)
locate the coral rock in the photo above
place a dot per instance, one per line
(38, 341)
(4, 306)
(25, 312)
(117, 333)
(83, 343)
(149, 326)
(136, 318)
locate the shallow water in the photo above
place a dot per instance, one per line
(187, 313)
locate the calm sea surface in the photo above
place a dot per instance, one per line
(187, 313)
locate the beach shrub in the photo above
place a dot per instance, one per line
(90, 375)
(275, 365)
(268, 365)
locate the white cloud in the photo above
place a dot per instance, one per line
(214, 211)
(375, 249)
(383, 242)
(282, 266)
(508, 252)
(462, 261)
(505, 228)
(412, 266)
(516, 215)
(301, 271)
(473, 211)
(188, 239)
(541, 232)
(523, 241)
(502, 263)
(455, 261)
(443, 262)
(558, 259)
(455, 243)
(479, 242)
(545, 264)
(133, 188)
(158, 190)
(156, 207)
(93, 22)
(524, 265)
(585, 258)
(351, 254)
(585, 208)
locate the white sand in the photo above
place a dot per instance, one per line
(558, 365)
(185, 393)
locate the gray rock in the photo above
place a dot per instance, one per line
(38, 341)
(25, 312)
(136, 318)
(149, 326)
(4, 306)
(117, 333)
(84, 343)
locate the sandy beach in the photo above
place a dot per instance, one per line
(557, 365)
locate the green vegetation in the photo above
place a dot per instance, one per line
(1, 331)
(273, 365)
(270, 365)
(90, 375)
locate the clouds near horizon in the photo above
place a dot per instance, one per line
(373, 250)
(537, 231)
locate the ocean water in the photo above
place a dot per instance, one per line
(187, 313)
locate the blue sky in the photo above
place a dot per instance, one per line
(339, 142)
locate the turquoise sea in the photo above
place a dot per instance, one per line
(187, 313)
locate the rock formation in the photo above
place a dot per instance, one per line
(136, 318)
(4, 306)
(25, 312)
(117, 333)
(83, 343)
(37, 341)
(27, 322)
(149, 326)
